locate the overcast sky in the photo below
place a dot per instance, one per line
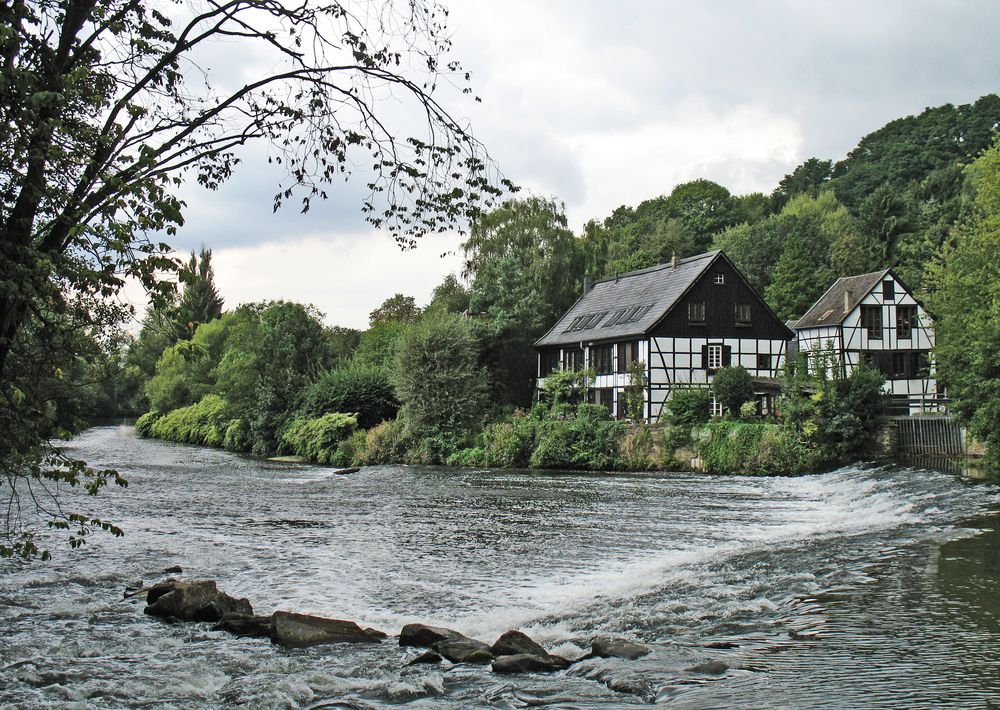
(601, 104)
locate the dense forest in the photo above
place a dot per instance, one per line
(427, 382)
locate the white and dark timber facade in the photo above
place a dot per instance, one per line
(682, 321)
(874, 318)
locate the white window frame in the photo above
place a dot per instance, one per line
(714, 354)
(716, 407)
(720, 279)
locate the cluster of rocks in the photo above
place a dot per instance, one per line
(513, 652)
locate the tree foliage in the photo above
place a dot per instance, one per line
(732, 386)
(965, 300)
(106, 111)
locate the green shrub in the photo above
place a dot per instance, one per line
(690, 406)
(386, 443)
(732, 387)
(318, 439)
(753, 447)
(365, 389)
(651, 447)
(237, 436)
(508, 444)
(350, 451)
(589, 441)
(144, 424)
(204, 422)
(468, 457)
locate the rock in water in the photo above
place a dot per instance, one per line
(292, 629)
(429, 657)
(176, 569)
(424, 636)
(247, 625)
(513, 643)
(709, 668)
(192, 601)
(464, 650)
(528, 663)
(615, 648)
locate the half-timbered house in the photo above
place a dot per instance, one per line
(874, 318)
(683, 321)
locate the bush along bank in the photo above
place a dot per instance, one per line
(823, 422)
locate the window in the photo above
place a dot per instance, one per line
(604, 397)
(627, 354)
(899, 362)
(574, 324)
(871, 320)
(600, 359)
(868, 359)
(742, 314)
(888, 290)
(573, 359)
(696, 312)
(550, 362)
(716, 407)
(613, 320)
(720, 279)
(763, 361)
(595, 319)
(906, 317)
(714, 357)
(921, 364)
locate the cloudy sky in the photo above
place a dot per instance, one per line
(601, 104)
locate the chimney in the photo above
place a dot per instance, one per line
(588, 283)
(848, 295)
(676, 260)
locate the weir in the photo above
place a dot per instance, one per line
(929, 436)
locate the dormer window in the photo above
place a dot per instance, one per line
(720, 279)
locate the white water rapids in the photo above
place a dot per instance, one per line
(865, 586)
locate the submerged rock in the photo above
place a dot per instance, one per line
(247, 625)
(424, 636)
(464, 650)
(199, 600)
(709, 668)
(345, 471)
(616, 648)
(176, 569)
(428, 657)
(529, 663)
(292, 629)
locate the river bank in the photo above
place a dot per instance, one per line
(864, 586)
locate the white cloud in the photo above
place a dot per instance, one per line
(345, 276)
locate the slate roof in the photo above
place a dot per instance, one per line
(829, 309)
(628, 304)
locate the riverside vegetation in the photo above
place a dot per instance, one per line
(452, 382)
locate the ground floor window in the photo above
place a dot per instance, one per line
(716, 407)
(605, 397)
(600, 359)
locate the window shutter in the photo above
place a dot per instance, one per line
(704, 357)
(727, 356)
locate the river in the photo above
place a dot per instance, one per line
(864, 587)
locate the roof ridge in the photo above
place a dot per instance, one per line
(657, 267)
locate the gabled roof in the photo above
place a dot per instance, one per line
(830, 310)
(628, 304)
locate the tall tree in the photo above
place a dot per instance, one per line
(200, 301)
(101, 126)
(964, 298)
(397, 308)
(526, 269)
